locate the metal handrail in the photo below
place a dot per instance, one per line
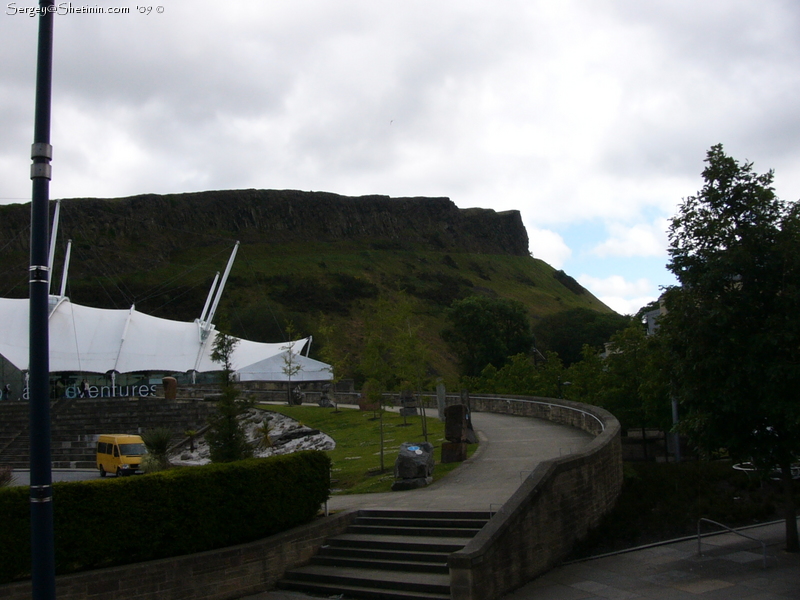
(548, 404)
(699, 549)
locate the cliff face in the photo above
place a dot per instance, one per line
(281, 216)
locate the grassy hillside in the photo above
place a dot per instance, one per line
(295, 276)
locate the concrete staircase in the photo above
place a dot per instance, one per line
(394, 555)
(76, 423)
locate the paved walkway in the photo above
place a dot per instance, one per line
(510, 448)
(730, 568)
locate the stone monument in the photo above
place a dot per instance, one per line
(413, 467)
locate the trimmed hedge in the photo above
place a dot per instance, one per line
(101, 523)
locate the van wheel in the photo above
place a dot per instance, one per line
(102, 471)
(119, 472)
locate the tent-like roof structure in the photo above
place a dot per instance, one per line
(274, 367)
(96, 340)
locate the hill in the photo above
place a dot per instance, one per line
(302, 255)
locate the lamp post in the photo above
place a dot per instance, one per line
(41, 491)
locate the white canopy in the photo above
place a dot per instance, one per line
(95, 340)
(275, 368)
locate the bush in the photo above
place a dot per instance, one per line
(6, 476)
(100, 523)
(157, 442)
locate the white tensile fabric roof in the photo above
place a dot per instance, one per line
(272, 369)
(97, 340)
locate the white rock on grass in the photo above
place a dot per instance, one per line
(279, 425)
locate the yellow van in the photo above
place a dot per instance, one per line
(119, 453)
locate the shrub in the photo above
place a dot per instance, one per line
(157, 442)
(100, 523)
(6, 476)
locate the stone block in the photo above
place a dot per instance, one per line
(414, 461)
(454, 452)
(455, 424)
(170, 388)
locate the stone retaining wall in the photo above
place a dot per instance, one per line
(554, 507)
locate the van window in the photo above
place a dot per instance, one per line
(132, 449)
(116, 451)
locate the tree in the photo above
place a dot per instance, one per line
(733, 326)
(291, 363)
(291, 367)
(487, 331)
(566, 332)
(226, 437)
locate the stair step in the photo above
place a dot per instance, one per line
(393, 542)
(352, 591)
(414, 531)
(420, 522)
(424, 514)
(389, 554)
(380, 564)
(377, 554)
(372, 578)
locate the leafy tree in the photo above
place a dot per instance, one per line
(291, 367)
(631, 386)
(733, 326)
(522, 375)
(487, 331)
(226, 437)
(566, 332)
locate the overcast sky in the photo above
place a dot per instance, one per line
(591, 117)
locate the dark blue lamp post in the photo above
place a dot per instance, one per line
(41, 491)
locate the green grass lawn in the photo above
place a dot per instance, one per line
(356, 459)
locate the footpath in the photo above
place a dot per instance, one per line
(511, 447)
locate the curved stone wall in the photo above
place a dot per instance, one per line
(553, 508)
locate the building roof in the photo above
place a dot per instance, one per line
(98, 340)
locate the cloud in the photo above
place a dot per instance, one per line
(548, 246)
(641, 239)
(625, 297)
(571, 112)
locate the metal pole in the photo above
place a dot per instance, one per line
(676, 436)
(41, 491)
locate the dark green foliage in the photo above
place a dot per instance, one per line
(566, 332)
(521, 375)
(157, 442)
(629, 380)
(448, 261)
(487, 331)
(226, 437)
(330, 294)
(733, 327)
(664, 501)
(435, 287)
(569, 282)
(131, 519)
(6, 475)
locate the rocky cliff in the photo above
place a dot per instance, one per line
(280, 216)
